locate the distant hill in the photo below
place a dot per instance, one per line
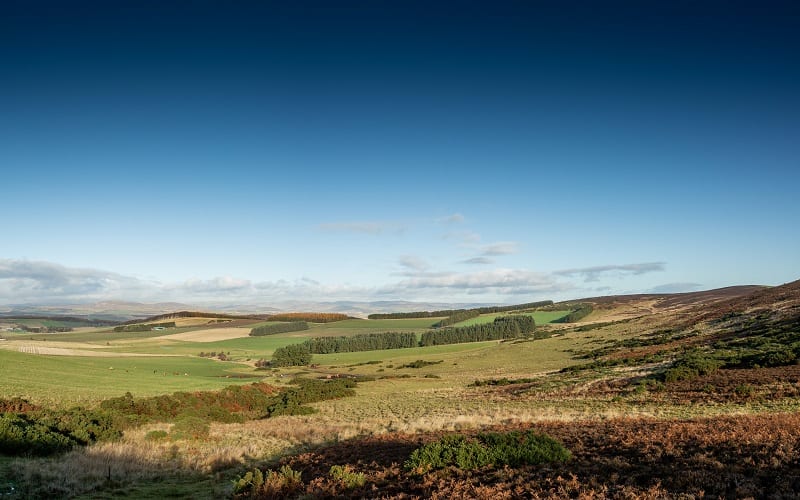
(619, 305)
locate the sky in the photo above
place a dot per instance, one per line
(481, 152)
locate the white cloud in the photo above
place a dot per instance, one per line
(25, 281)
(463, 237)
(412, 263)
(455, 218)
(496, 281)
(478, 260)
(500, 248)
(219, 285)
(675, 288)
(590, 274)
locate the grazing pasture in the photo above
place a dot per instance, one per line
(677, 393)
(541, 317)
(65, 380)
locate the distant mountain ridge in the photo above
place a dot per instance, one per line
(121, 311)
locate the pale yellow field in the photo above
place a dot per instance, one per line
(50, 350)
(208, 335)
(185, 322)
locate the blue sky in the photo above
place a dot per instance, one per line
(510, 152)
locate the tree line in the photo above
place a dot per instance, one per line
(457, 317)
(451, 312)
(310, 317)
(300, 354)
(503, 327)
(143, 327)
(45, 329)
(194, 314)
(294, 326)
(362, 342)
(578, 313)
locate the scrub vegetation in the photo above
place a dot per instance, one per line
(668, 396)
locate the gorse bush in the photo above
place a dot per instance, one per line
(43, 432)
(231, 404)
(495, 449)
(291, 400)
(19, 435)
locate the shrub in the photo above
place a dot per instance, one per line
(692, 365)
(420, 363)
(450, 450)
(517, 448)
(345, 475)
(274, 484)
(189, 427)
(292, 355)
(21, 435)
(157, 435)
(496, 449)
(290, 401)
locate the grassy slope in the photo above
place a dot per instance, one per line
(64, 380)
(437, 396)
(541, 317)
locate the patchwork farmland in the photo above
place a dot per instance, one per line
(649, 396)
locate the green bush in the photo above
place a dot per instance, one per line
(19, 435)
(345, 475)
(290, 401)
(420, 363)
(157, 435)
(189, 427)
(495, 449)
(283, 483)
(691, 366)
(292, 355)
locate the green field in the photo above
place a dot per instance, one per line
(541, 317)
(163, 365)
(383, 324)
(64, 380)
(614, 371)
